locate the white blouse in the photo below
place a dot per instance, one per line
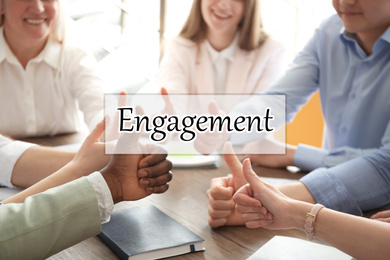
(50, 96)
(10, 151)
(221, 61)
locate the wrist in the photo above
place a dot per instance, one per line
(298, 210)
(311, 220)
(290, 152)
(113, 184)
(72, 171)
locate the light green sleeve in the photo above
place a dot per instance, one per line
(49, 222)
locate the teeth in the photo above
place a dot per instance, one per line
(35, 21)
(221, 15)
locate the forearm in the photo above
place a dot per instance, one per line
(37, 163)
(297, 191)
(66, 174)
(49, 222)
(357, 236)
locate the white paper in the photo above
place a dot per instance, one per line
(288, 248)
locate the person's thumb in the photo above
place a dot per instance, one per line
(235, 166)
(97, 132)
(128, 142)
(122, 98)
(213, 108)
(251, 177)
(169, 108)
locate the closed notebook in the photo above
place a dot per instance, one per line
(147, 233)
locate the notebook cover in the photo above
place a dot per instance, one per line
(134, 231)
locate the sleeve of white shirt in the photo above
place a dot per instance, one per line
(86, 85)
(103, 193)
(10, 152)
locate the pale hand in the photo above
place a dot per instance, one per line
(221, 206)
(382, 216)
(256, 194)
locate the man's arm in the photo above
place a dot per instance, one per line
(357, 185)
(49, 222)
(37, 226)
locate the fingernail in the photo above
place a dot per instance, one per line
(269, 221)
(143, 174)
(248, 164)
(145, 183)
(149, 190)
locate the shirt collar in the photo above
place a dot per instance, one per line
(5, 51)
(227, 53)
(347, 36)
(50, 54)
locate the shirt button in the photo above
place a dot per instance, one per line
(353, 96)
(30, 122)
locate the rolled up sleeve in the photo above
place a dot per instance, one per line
(309, 158)
(355, 186)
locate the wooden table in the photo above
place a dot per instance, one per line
(186, 202)
(57, 140)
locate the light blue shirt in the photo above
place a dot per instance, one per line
(354, 91)
(357, 185)
(355, 100)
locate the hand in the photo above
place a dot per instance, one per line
(256, 194)
(382, 216)
(208, 142)
(91, 156)
(168, 108)
(121, 173)
(154, 169)
(220, 195)
(112, 132)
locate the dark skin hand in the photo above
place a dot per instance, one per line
(124, 171)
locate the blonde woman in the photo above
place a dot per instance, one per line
(45, 82)
(222, 48)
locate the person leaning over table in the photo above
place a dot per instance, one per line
(263, 205)
(222, 48)
(348, 61)
(67, 207)
(45, 79)
(357, 185)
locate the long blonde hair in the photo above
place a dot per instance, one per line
(59, 31)
(252, 34)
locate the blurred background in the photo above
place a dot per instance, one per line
(128, 38)
(130, 34)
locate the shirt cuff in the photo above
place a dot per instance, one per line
(103, 193)
(9, 155)
(309, 158)
(329, 191)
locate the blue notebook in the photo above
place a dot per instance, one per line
(145, 232)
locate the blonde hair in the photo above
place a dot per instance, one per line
(59, 32)
(252, 34)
